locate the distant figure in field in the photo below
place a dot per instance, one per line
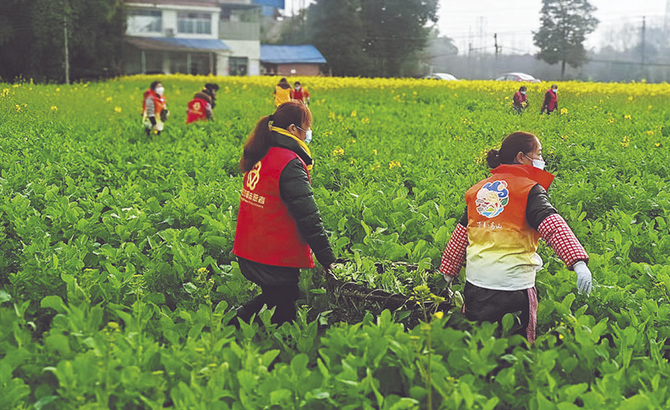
(211, 89)
(200, 107)
(550, 102)
(300, 93)
(520, 100)
(283, 92)
(154, 108)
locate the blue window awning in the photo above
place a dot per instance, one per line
(177, 44)
(291, 54)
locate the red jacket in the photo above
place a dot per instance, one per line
(266, 233)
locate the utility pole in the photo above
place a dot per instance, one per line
(644, 27)
(495, 40)
(67, 57)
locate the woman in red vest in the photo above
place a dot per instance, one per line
(550, 102)
(506, 215)
(199, 108)
(154, 108)
(300, 93)
(520, 100)
(278, 224)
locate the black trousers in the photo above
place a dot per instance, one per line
(489, 305)
(279, 290)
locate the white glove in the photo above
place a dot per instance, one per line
(584, 283)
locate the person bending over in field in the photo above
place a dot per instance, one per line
(278, 225)
(200, 107)
(505, 216)
(283, 92)
(520, 101)
(550, 102)
(154, 108)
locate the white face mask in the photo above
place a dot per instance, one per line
(159, 90)
(308, 134)
(555, 91)
(537, 163)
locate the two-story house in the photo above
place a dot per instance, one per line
(220, 37)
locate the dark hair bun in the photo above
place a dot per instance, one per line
(493, 158)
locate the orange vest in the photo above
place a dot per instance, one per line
(282, 95)
(196, 110)
(502, 246)
(159, 102)
(266, 233)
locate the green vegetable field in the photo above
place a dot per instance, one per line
(117, 280)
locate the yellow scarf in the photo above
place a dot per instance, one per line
(298, 140)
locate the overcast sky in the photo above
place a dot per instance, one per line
(475, 21)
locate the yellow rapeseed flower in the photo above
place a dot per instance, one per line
(439, 315)
(625, 142)
(338, 151)
(109, 99)
(18, 107)
(564, 110)
(117, 109)
(353, 113)
(627, 117)
(394, 164)
(54, 108)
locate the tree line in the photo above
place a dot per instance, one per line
(33, 35)
(368, 38)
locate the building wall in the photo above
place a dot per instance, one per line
(246, 48)
(169, 20)
(292, 70)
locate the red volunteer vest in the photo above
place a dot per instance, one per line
(266, 233)
(519, 98)
(554, 100)
(196, 110)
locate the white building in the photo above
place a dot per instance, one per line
(220, 37)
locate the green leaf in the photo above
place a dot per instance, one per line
(54, 302)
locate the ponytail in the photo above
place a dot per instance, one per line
(257, 145)
(512, 144)
(493, 158)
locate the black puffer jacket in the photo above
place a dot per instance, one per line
(296, 192)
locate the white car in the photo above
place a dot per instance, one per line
(441, 76)
(520, 77)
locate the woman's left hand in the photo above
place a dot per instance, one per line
(584, 278)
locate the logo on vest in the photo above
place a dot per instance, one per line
(254, 176)
(492, 198)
